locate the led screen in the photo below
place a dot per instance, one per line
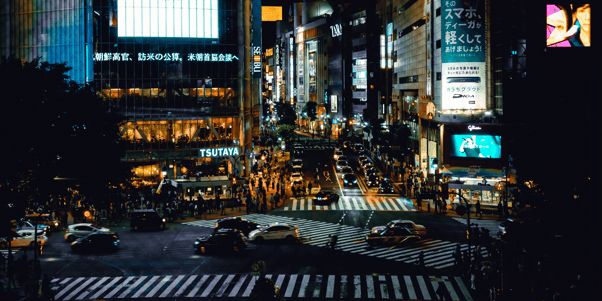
(168, 18)
(476, 146)
(568, 25)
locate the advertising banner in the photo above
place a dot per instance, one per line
(476, 146)
(568, 25)
(257, 52)
(463, 55)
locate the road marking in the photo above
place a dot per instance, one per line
(384, 292)
(343, 286)
(370, 204)
(104, 289)
(309, 204)
(158, 287)
(69, 287)
(131, 287)
(146, 286)
(378, 204)
(423, 289)
(224, 286)
(401, 204)
(463, 289)
(317, 286)
(338, 182)
(450, 288)
(185, 286)
(171, 286)
(396, 287)
(410, 287)
(238, 285)
(249, 289)
(197, 287)
(370, 287)
(294, 203)
(384, 201)
(303, 287)
(92, 288)
(357, 284)
(302, 205)
(291, 286)
(280, 280)
(79, 288)
(211, 286)
(392, 201)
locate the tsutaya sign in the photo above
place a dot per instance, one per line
(218, 152)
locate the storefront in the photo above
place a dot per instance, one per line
(486, 186)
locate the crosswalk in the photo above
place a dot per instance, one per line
(399, 287)
(489, 224)
(354, 203)
(317, 147)
(437, 253)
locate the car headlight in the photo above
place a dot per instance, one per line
(196, 242)
(354, 181)
(164, 220)
(346, 181)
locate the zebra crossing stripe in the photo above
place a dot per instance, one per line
(69, 287)
(92, 288)
(463, 289)
(410, 287)
(77, 290)
(317, 286)
(222, 289)
(171, 287)
(249, 288)
(238, 285)
(133, 286)
(304, 284)
(378, 204)
(211, 286)
(371, 205)
(396, 287)
(370, 287)
(330, 286)
(158, 287)
(197, 287)
(104, 289)
(145, 287)
(279, 280)
(450, 288)
(185, 286)
(309, 204)
(384, 202)
(384, 291)
(291, 286)
(392, 202)
(357, 284)
(302, 205)
(343, 286)
(119, 287)
(423, 289)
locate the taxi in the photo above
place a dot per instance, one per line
(381, 235)
(410, 225)
(221, 240)
(23, 239)
(275, 231)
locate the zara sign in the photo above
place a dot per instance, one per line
(218, 152)
(336, 30)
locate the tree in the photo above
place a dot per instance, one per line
(311, 109)
(55, 129)
(286, 114)
(287, 132)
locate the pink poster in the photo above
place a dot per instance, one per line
(568, 25)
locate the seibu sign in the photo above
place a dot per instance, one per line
(218, 152)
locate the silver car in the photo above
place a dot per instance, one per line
(76, 231)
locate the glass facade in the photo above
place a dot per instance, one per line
(56, 31)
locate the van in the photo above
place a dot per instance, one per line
(146, 219)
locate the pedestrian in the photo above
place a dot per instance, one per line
(441, 291)
(457, 255)
(222, 207)
(204, 209)
(500, 209)
(478, 208)
(46, 291)
(272, 200)
(421, 259)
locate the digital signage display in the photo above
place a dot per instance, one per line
(568, 25)
(463, 55)
(476, 146)
(168, 18)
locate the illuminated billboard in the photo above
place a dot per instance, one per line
(476, 146)
(463, 55)
(168, 18)
(271, 13)
(568, 25)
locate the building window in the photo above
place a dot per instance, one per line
(437, 44)
(408, 79)
(438, 12)
(438, 75)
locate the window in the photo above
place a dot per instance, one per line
(438, 12)
(438, 75)
(437, 44)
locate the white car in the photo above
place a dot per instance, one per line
(416, 229)
(275, 231)
(298, 162)
(296, 176)
(341, 164)
(346, 170)
(76, 231)
(23, 239)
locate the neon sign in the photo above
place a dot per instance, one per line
(474, 127)
(218, 152)
(173, 56)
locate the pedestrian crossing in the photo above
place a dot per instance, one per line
(437, 253)
(317, 147)
(398, 287)
(489, 224)
(353, 203)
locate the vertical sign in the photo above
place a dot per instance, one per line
(333, 103)
(390, 45)
(300, 63)
(463, 55)
(256, 39)
(429, 40)
(291, 70)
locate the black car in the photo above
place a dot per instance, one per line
(372, 180)
(97, 242)
(394, 235)
(221, 240)
(146, 218)
(349, 180)
(298, 150)
(386, 186)
(325, 197)
(237, 223)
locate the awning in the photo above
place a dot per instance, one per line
(458, 171)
